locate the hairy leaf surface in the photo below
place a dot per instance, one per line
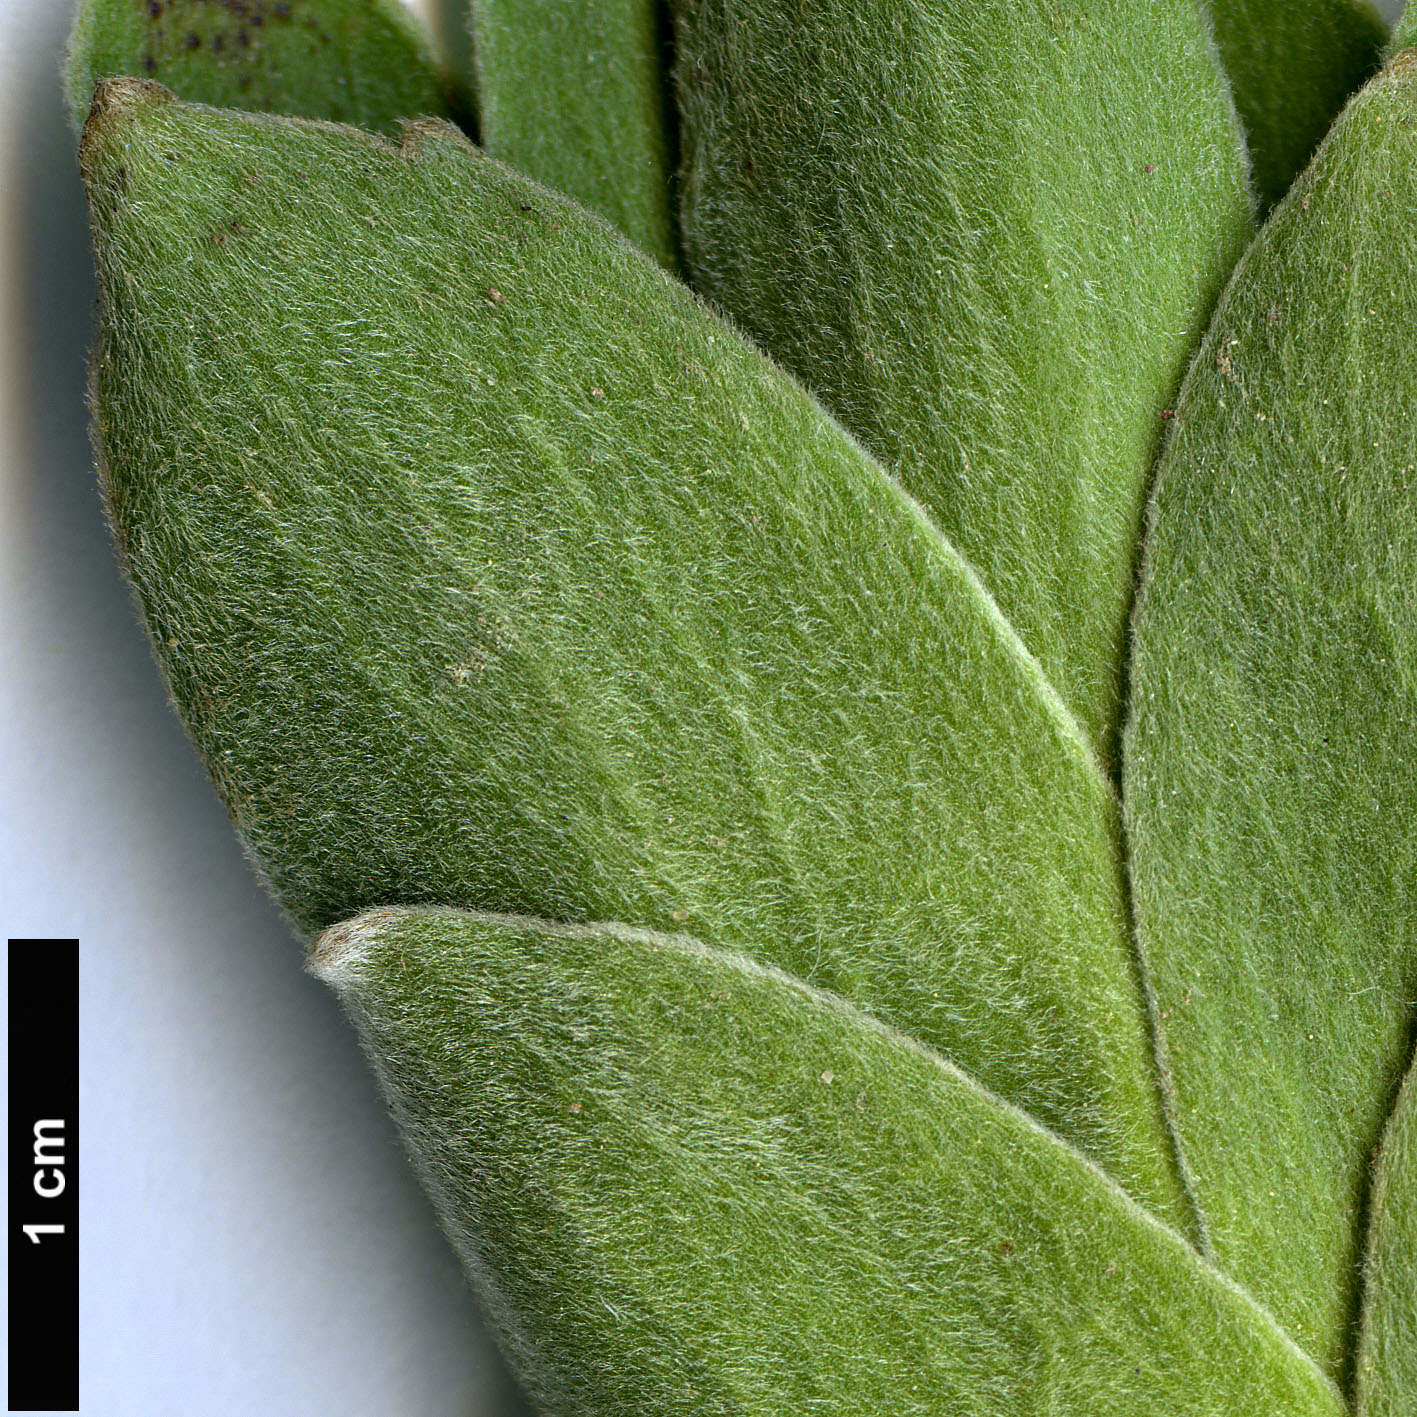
(1292, 65)
(1270, 773)
(1404, 30)
(687, 1184)
(365, 62)
(1387, 1351)
(487, 567)
(576, 95)
(988, 238)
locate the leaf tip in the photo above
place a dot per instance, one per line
(115, 101)
(418, 135)
(336, 954)
(1402, 64)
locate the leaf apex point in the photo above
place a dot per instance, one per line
(113, 100)
(416, 133)
(336, 953)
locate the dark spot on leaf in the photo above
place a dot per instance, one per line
(154, 8)
(1150, 167)
(149, 64)
(193, 41)
(1167, 413)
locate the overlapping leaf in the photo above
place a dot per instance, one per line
(576, 96)
(1292, 65)
(488, 568)
(1404, 32)
(366, 62)
(987, 236)
(687, 1184)
(1270, 773)
(1387, 1350)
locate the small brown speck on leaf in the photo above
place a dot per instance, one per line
(1167, 413)
(597, 393)
(495, 297)
(1150, 167)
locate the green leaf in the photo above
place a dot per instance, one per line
(1292, 65)
(1270, 777)
(683, 1183)
(575, 95)
(1404, 31)
(487, 567)
(1387, 1349)
(988, 237)
(365, 62)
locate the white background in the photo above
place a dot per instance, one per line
(253, 1242)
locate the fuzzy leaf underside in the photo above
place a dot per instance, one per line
(683, 1183)
(366, 62)
(1387, 1350)
(575, 96)
(988, 237)
(487, 567)
(1292, 66)
(1270, 774)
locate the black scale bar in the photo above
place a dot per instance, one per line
(44, 1175)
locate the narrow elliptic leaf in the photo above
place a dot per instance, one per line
(575, 94)
(486, 566)
(1270, 772)
(1292, 65)
(1387, 1349)
(365, 62)
(684, 1183)
(988, 236)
